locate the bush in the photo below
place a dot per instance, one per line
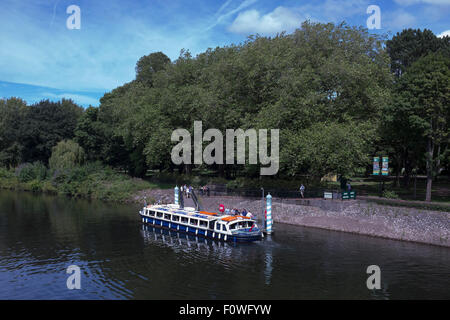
(5, 173)
(31, 171)
(35, 185)
(389, 194)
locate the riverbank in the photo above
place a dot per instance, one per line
(90, 181)
(353, 216)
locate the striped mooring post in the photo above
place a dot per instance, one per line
(176, 194)
(269, 221)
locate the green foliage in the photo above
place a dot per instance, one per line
(28, 133)
(390, 194)
(320, 73)
(408, 46)
(66, 154)
(91, 180)
(5, 173)
(31, 171)
(13, 114)
(338, 94)
(331, 148)
(147, 66)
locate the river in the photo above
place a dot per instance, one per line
(119, 258)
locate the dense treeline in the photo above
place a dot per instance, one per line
(338, 94)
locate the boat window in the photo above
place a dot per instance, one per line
(184, 219)
(167, 216)
(224, 227)
(159, 214)
(151, 213)
(203, 223)
(175, 218)
(218, 226)
(233, 226)
(194, 222)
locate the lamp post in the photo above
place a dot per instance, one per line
(176, 194)
(269, 214)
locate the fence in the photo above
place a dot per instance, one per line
(222, 190)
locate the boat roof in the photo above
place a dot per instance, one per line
(191, 212)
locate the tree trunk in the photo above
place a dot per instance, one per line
(430, 150)
(438, 163)
(399, 169)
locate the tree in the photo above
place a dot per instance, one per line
(331, 147)
(425, 92)
(408, 46)
(13, 113)
(46, 124)
(148, 65)
(406, 145)
(66, 154)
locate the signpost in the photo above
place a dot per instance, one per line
(376, 166)
(385, 166)
(381, 173)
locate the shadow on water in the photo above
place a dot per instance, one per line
(40, 236)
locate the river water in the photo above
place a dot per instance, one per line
(119, 258)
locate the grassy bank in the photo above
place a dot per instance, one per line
(91, 181)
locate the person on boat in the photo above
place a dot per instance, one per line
(244, 212)
(249, 214)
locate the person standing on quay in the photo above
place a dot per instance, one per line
(302, 190)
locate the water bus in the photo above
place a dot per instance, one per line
(201, 223)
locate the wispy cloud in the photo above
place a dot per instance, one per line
(221, 16)
(444, 34)
(252, 21)
(411, 2)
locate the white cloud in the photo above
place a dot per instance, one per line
(280, 19)
(410, 2)
(399, 19)
(444, 34)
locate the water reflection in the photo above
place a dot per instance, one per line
(122, 259)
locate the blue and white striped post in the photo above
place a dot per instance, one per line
(269, 214)
(176, 194)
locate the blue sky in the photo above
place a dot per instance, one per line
(40, 58)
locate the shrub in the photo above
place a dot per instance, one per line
(31, 171)
(35, 185)
(389, 194)
(5, 173)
